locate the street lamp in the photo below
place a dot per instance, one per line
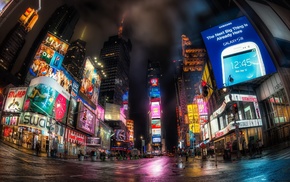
(141, 145)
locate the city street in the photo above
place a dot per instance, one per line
(19, 166)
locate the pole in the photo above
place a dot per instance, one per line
(237, 136)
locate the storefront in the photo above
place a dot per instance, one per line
(10, 130)
(75, 141)
(33, 128)
(238, 136)
(275, 111)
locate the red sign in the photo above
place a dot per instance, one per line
(75, 137)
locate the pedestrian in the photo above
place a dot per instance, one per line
(260, 146)
(186, 156)
(37, 148)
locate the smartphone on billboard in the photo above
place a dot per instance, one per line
(241, 62)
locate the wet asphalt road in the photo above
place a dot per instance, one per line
(18, 166)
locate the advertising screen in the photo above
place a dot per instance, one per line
(86, 119)
(48, 62)
(154, 82)
(47, 97)
(14, 100)
(236, 52)
(72, 113)
(156, 139)
(120, 135)
(100, 113)
(202, 109)
(3, 4)
(156, 131)
(90, 84)
(154, 92)
(155, 110)
(156, 123)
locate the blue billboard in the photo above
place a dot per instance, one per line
(237, 53)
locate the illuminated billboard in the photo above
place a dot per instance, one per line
(48, 62)
(3, 4)
(154, 82)
(156, 139)
(14, 100)
(236, 52)
(154, 92)
(155, 110)
(202, 108)
(86, 119)
(130, 126)
(47, 97)
(72, 113)
(156, 123)
(100, 113)
(90, 84)
(156, 131)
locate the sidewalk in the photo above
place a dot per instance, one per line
(266, 151)
(22, 149)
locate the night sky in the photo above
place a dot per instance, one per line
(154, 28)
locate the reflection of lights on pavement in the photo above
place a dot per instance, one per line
(155, 168)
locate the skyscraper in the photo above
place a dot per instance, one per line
(74, 58)
(156, 134)
(115, 56)
(13, 43)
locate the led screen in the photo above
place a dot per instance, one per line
(90, 84)
(202, 109)
(156, 139)
(156, 123)
(45, 96)
(14, 100)
(86, 119)
(3, 4)
(100, 113)
(154, 82)
(236, 52)
(72, 113)
(155, 110)
(156, 131)
(48, 62)
(154, 92)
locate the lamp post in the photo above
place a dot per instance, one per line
(141, 145)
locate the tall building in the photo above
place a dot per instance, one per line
(61, 24)
(156, 135)
(13, 44)
(187, 88)
(115, 56)
(74, 58)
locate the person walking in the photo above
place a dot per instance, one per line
(37, 147)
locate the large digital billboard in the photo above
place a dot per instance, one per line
(90, 84)
(155, 110)
(47, 97)
(86, 119)
(154, 92)
(48, 62)
(236, 52)
(14, 100)
(156, 123)
(72, 113)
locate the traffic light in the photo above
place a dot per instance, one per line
(204, 88)
(204, 91)
(235, 108)
(25, 17)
